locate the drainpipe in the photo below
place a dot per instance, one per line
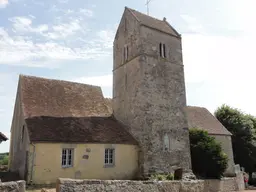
(32, 165)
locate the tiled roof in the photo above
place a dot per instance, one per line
(57, 98)
(152, 22)
(78, 130)
(3, 137)
(200, 117)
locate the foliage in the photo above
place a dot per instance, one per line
(208, 159)
(161, 177)
(4, 160)
(242, 126)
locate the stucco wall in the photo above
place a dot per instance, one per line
(149, 96)
(226, 144)
(47, 165)
(18, 148)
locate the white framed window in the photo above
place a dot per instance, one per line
(109, 156)
(126, 50)
(166, 143)
(162, 50)
(67, 157)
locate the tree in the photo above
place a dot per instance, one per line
(208, 159)
(5, 160)
(242, 126)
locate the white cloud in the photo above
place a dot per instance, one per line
(103, 81)
(26, 52)
(24, 24)
(3, 3)
(64, 30)
(86, 12)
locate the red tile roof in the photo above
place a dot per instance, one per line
(78, 130)
(199, 117)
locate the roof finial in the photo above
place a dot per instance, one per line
(147, 4)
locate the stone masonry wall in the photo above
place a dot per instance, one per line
(149, 96)
(224, 185)
(17, 186)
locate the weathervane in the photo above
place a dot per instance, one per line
(147, 4)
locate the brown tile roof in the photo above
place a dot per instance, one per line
(152, 22)
(3, 137)
(57, 98)
(202, 118)
(109, 104)
(78, 130)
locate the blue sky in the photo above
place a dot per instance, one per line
(72, 40)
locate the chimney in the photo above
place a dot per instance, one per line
(164, 19)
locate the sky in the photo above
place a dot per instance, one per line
(72, 40)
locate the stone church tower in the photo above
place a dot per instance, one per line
(149, 91)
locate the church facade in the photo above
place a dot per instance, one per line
(67, 129)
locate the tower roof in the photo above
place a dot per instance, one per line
(161, 25)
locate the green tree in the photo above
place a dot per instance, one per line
(242, 126)
(208, 159)
(5, 160)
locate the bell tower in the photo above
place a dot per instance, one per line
(149, 91)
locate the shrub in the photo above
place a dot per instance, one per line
(208, 159)
(170, 177)
(5, 160)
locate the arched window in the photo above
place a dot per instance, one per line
(166, 143)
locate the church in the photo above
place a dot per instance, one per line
(69, 130)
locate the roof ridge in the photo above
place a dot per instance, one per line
(131, 11)
(144, 14)
(58, 80)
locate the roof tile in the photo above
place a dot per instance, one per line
(57, 98)
(78, 130)
(199, 117)
(152, 22)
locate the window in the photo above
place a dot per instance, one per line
(166, 143)
(22, 133)
(125, 53)
(109, 156)
(67, 157)
(162, 50)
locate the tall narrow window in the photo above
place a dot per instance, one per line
(162, 50)
(126, 53)
(67, 157)
(22, 133)
(166, 143)
(109, 156)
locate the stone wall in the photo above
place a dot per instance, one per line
(149, 96)
(224, 185)
(13, 186)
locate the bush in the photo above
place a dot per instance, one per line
(5, 160)
(208, 159)
(161, 177)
